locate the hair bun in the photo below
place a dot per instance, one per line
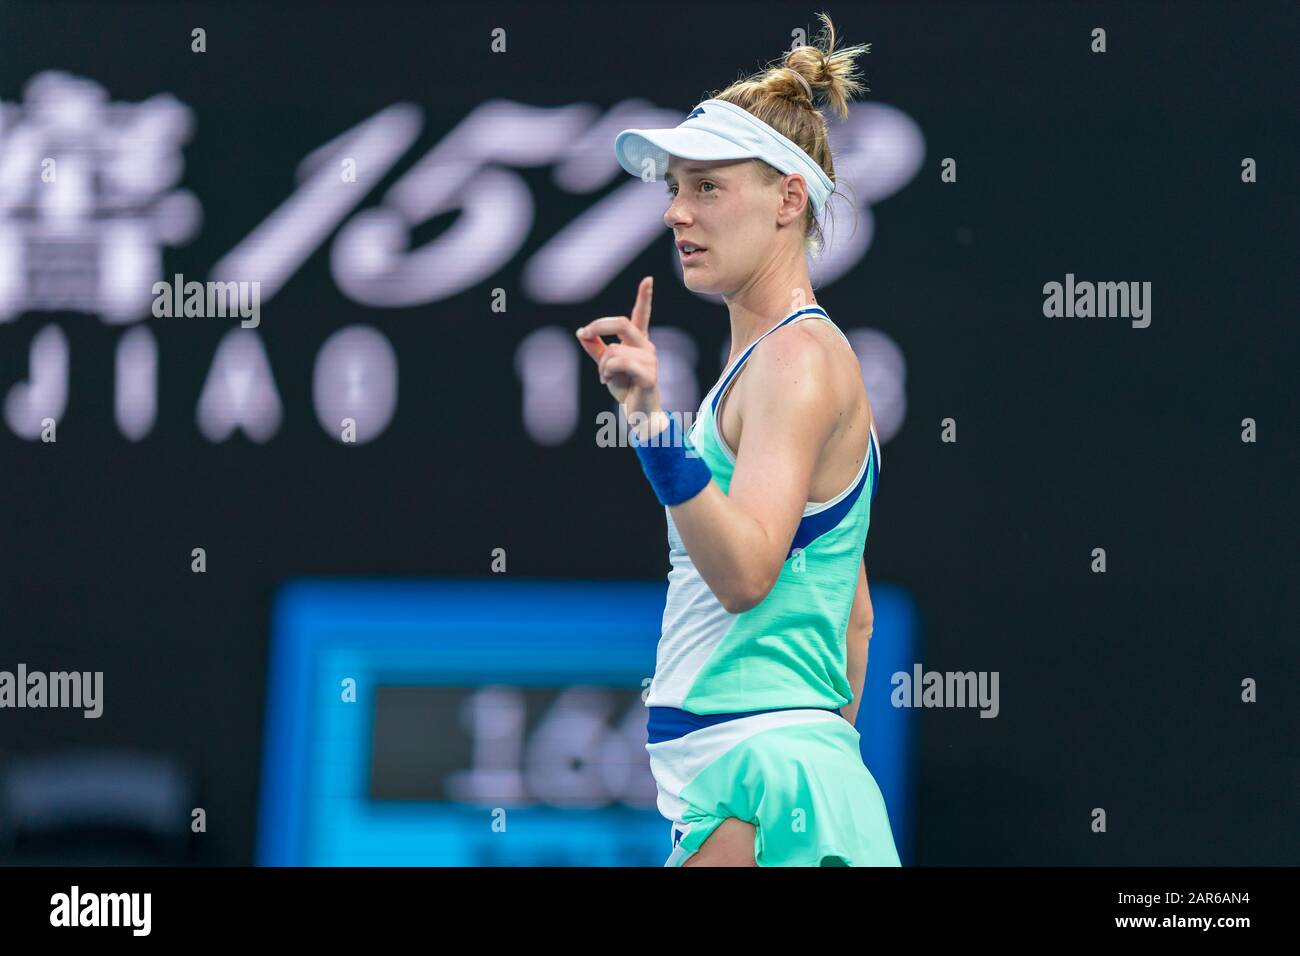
(802, 79)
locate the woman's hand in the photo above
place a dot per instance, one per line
(629, 366)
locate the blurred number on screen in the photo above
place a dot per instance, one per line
(561, 761)
(274, 251)
(574, 757)
(626, 763)
(494, 717)
(879, 150)
(546, 363)
(372, 259)
(468, 174)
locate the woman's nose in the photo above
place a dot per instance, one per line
(675, 214)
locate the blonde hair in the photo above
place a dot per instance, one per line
(784, 96)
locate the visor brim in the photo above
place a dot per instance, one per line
(634, 146)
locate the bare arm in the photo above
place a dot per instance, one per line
(861, 623)
(740, 541)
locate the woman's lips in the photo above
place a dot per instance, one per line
(692, 256)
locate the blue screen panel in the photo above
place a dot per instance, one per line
(492, 723)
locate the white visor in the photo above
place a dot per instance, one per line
(717, 131)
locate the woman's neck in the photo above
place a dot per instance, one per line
(765, 303)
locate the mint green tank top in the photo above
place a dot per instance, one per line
(790, 649)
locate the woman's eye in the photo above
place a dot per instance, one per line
(672, 189)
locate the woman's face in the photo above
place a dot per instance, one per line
(729, 210)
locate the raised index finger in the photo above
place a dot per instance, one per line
(641, 311)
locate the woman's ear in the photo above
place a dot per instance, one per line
(794, 198)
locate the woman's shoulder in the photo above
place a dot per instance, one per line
(796, 352)
(816, 348)
(807, 365)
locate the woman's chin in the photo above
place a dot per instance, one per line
(697, 281)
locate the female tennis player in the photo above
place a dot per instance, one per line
(762, 656)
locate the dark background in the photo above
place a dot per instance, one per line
(1119, 690)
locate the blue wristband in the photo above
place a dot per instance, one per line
(675, 475)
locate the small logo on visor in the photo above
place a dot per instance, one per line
(698, 111)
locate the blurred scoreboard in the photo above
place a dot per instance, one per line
(492, 723)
